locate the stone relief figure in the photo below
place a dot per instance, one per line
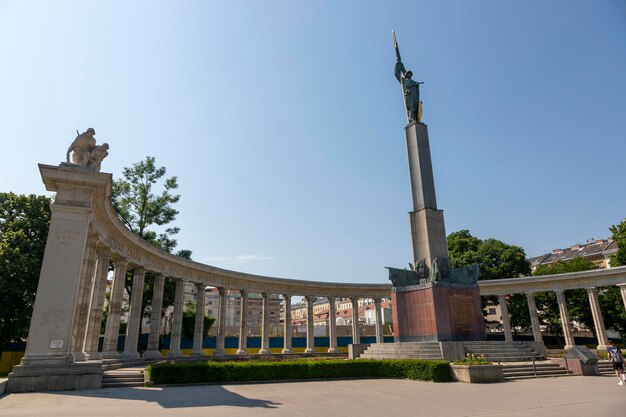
(439, 270)
(85, 152)
(402, 277)
(410, 88)
(421, 268)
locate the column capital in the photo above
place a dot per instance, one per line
(200, 286)
(243, 292)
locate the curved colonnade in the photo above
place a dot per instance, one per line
(109, 240)
(86, 234)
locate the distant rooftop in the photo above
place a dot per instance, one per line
(595, 250)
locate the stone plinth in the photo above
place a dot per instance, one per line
(437, 312)
(72, 376)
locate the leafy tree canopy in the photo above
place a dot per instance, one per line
(139, 207)
(24, 223)
(619, 235)
(497, 259)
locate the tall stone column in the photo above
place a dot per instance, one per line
(565, 323)
(177, 322)
(622, 290)
(506, 323)
(112, 330)
(198, 330)
(134, 315)
(332, 325)
(48, 350)
(265, 328)
(310, 334)
(356, 337)
(379, 321)
(82, 307)
(153, 352)
(243, 324)
(598, 321)
(92, 334)
(428, 232)
(221, 323)
(287, 325)
(534, 317)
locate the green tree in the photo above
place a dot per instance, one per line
(138, 206)
(577, 300)
(141, 206)
(497, 260)
(24, 223)
(189, 321)
(619, 235)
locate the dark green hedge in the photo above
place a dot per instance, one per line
(202, 372)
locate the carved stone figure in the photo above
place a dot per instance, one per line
(466, 275)
(410, 88)
(82, 147)
(85, 152)
(439, 270)
(402, 277)
(97, 155)
(421, 268)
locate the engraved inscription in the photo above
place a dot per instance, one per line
(67, 238)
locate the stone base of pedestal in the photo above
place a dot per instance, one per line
(152, 354)
(71, 376)
(437, 312)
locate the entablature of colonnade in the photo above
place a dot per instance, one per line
(559, 282)
(112, 232)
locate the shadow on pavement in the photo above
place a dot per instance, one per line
(176, 397)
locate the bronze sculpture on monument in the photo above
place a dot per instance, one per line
(432, 301)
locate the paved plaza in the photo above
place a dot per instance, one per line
(554, 397)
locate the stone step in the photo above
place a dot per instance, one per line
(122, 384)
(541, 370)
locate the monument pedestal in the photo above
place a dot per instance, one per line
(70, 376)
(437, 312)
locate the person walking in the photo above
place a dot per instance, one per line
(617, 360)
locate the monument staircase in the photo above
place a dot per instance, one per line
(404, 350)
(496, 351)
(605, 368)
(125, 377)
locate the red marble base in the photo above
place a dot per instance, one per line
(437, 313)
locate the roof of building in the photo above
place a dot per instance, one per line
(600, 247)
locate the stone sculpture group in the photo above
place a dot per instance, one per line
(85, 151)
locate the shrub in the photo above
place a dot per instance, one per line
(203, 372)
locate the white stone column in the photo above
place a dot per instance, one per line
(332, 325)
(598, 320)
(92, 334)
(534, 317)
(379, 321)
(565, 323)
(198, 330)
(111, 332)
(356, 337)
(310, 334)
(84, 293)
(134, 315)
(622, 290)
(287, 325)
(506, 323)
(152, 351)
(177, 321)
(265, 327)
(243, 324)
(221, 323)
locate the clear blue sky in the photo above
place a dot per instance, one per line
(284, 123)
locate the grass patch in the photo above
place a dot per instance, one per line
(203, 372)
